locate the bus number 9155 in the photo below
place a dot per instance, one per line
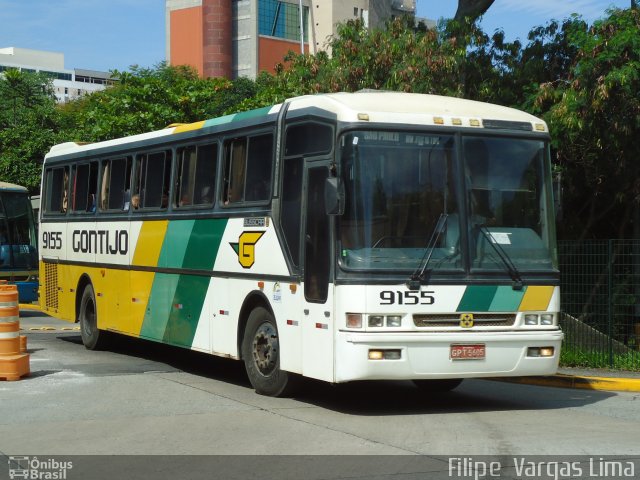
(407, 297)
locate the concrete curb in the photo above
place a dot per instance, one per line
(574, 381)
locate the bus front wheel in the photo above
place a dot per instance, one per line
(92, 338)
(261, 354)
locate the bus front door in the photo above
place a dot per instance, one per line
(318, 322)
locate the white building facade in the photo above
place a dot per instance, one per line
(68, 84)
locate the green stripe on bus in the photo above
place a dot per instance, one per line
(258, 112)
(204, 243)
(235, 117)
(187, 307)
(188, 301)
(159, 306)
(219, 121)
(506, 299)
(477, 298)
(175, 243)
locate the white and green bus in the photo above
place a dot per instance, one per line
(341, 237)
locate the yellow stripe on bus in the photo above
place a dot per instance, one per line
(150, 243)
(536, 298)
(188, 127)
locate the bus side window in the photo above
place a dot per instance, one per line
(259, 165)
(234, 171)
(153, 181)
(56, 187)
(116, 178)
(248, 166)
(84, 187)
(291, 206)
(195, 175)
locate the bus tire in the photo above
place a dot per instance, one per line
(435, 386)
(261, 355)
(92, 337)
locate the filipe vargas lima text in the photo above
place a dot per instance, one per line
(468, 467)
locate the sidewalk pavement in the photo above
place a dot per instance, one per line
(591, 379)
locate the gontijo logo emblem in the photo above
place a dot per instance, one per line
(246, 248)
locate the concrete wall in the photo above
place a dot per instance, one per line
(245, 38)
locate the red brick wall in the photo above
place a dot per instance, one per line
(216, 35)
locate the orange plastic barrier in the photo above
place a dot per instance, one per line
(13, 363)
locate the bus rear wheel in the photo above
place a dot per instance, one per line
(92, 337)
(435, 386)
(261, 354)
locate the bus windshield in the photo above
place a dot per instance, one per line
(399, 184)
(17, 233)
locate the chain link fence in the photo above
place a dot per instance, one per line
(600, 302)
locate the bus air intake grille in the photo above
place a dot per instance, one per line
(453, 320)
(51, 282)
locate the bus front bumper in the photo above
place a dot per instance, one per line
(425, 355)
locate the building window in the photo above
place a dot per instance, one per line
(281, 19)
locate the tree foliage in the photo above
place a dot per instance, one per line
(145, 99)
(584, 80)
(594, 114)
(398, 57)
(29, 125)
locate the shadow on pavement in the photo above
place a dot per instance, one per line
(368, 398)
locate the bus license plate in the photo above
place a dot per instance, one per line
(468, 352)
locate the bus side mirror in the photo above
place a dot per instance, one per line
(557, 196)
(334, 196)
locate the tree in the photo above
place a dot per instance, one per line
(145, 99)
(398, 57)
(29, 124)
(594, 116)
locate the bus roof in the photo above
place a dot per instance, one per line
(6, 186)
(372, 106)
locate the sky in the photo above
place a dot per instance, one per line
(114, 34)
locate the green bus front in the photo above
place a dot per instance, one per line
(18, 245)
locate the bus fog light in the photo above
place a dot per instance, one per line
(546, 319)
(354, 320)
(376, 354)
(531, 319)
(394, 321)
(546, 351)
(376, 320)
(533, 352)
(392, 355)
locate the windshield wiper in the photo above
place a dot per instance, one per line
(418, 275)
(504, 257)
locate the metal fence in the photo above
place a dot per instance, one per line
(600, 303)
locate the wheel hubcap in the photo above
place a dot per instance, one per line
(265, 348)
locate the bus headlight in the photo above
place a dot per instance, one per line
(394, 321)
(546, 319)
(531, 319)
(376, 320)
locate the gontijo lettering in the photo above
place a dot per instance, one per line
(100, 241)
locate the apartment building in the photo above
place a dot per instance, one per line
(232, 38)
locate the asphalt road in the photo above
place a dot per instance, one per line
(141, 398)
